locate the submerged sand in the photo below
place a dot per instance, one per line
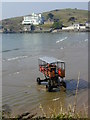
(20, 70)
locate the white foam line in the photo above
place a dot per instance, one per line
(57, 41)
(61, 48)
(9, 59)
(61, 40)
(86, 40)
(14, 73)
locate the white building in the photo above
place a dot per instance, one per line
(75, 27)
(34, 19)
(87, 25)
(68, 28)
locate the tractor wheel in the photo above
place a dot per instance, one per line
(49, 88)
(64, 84)
(46, 86)
(38, 81)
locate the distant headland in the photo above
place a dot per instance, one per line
(52, 21)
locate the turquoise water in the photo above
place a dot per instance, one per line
(20, 53)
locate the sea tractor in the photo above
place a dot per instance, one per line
(53, 71)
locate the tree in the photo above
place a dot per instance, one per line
(50, 15)
(56, 20)
(57, 25)
(72, 19)
(5, 30)
(32, 27)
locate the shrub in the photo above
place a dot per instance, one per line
(57, 25)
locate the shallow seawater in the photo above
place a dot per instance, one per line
(20, 53)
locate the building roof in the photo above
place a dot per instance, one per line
(49, 59)
(30, 15)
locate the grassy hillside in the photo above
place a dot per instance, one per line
(13, 24)
(63, 15)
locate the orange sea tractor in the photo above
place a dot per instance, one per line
(53, 71)
(61, 70)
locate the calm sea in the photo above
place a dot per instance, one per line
(20, 53)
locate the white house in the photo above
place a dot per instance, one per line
(68, 28)
(75, 27)
(87, 25)
(34, 19)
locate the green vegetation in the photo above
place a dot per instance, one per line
(57, 25)
(65, 16)
(70, 114)
(46, 26)
(32, 27)
(81, 16)
(50, 16)
(13, 24)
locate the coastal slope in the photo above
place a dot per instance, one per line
(65, 16)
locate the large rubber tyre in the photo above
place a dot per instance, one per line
(49, 88)
(64, 84)
(46, 86)
(38, 81)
